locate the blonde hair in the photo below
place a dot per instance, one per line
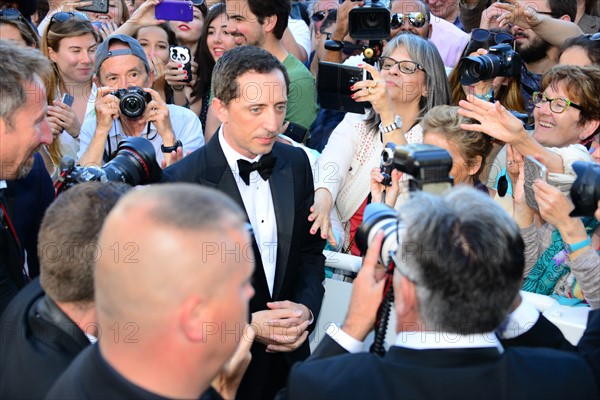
(447, 121)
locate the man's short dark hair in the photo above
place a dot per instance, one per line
(68, 239)
(265, 8)
(235, 63)
(558, 8)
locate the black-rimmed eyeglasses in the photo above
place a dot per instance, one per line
(405, 66)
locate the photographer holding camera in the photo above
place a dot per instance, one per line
(124, 109)
(458, 269)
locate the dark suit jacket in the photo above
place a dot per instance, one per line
(300, 262)
(542, 334)
(476, 373)
(28, 199)
(589, 345)
(91, 377)
(38, 344)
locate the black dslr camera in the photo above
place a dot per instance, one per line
(429, 166)
(133, 163)
(585, 192)
(133, 101)
(430, 169)
(501, 60)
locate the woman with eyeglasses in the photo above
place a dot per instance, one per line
(503, 89)
(562, 259)
(15, 28)
(410, 82)
(69, 41)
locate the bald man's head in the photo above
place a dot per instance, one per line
(163, 244)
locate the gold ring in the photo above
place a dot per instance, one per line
(376, 83)
(370, 90)
(510, 162)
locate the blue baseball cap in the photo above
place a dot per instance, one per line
(135, 49)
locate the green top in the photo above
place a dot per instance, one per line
(302, 98)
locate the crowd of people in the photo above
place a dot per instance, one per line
(208, 283)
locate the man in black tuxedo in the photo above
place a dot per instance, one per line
(458, 270)
(274, 184)
(53, 318)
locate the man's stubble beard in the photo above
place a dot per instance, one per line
(536, 51)
(25, 168)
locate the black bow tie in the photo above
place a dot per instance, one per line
(264, 167)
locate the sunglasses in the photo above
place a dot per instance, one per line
(321, 15)
(11, 14)
(595, 36)
(483, 35)
(64, 16)
(416, 19)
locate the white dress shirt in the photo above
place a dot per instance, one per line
(422, 340)
(259, 207)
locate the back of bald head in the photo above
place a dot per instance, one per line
(153, 249)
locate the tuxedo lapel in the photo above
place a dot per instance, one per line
(218, 174)
(282, 192)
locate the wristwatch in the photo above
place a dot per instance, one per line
(571, 248)
(397, 124)
(171, 149)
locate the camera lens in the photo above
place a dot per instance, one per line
(133, 105)
(372, 21)
(480, 68)
(134, 163)
(379, 217)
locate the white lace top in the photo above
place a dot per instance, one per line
(345, 165)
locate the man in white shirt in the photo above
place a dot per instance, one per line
(457, 272)
(122, 64)
(273, 183)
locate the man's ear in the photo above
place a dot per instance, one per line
(566, 18)
(221, 110)
(406, 297)
(97, 81)
(269, 23)
(430, 30)
(191, 318)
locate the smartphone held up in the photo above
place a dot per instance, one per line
(174, 10)
(534, 171)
